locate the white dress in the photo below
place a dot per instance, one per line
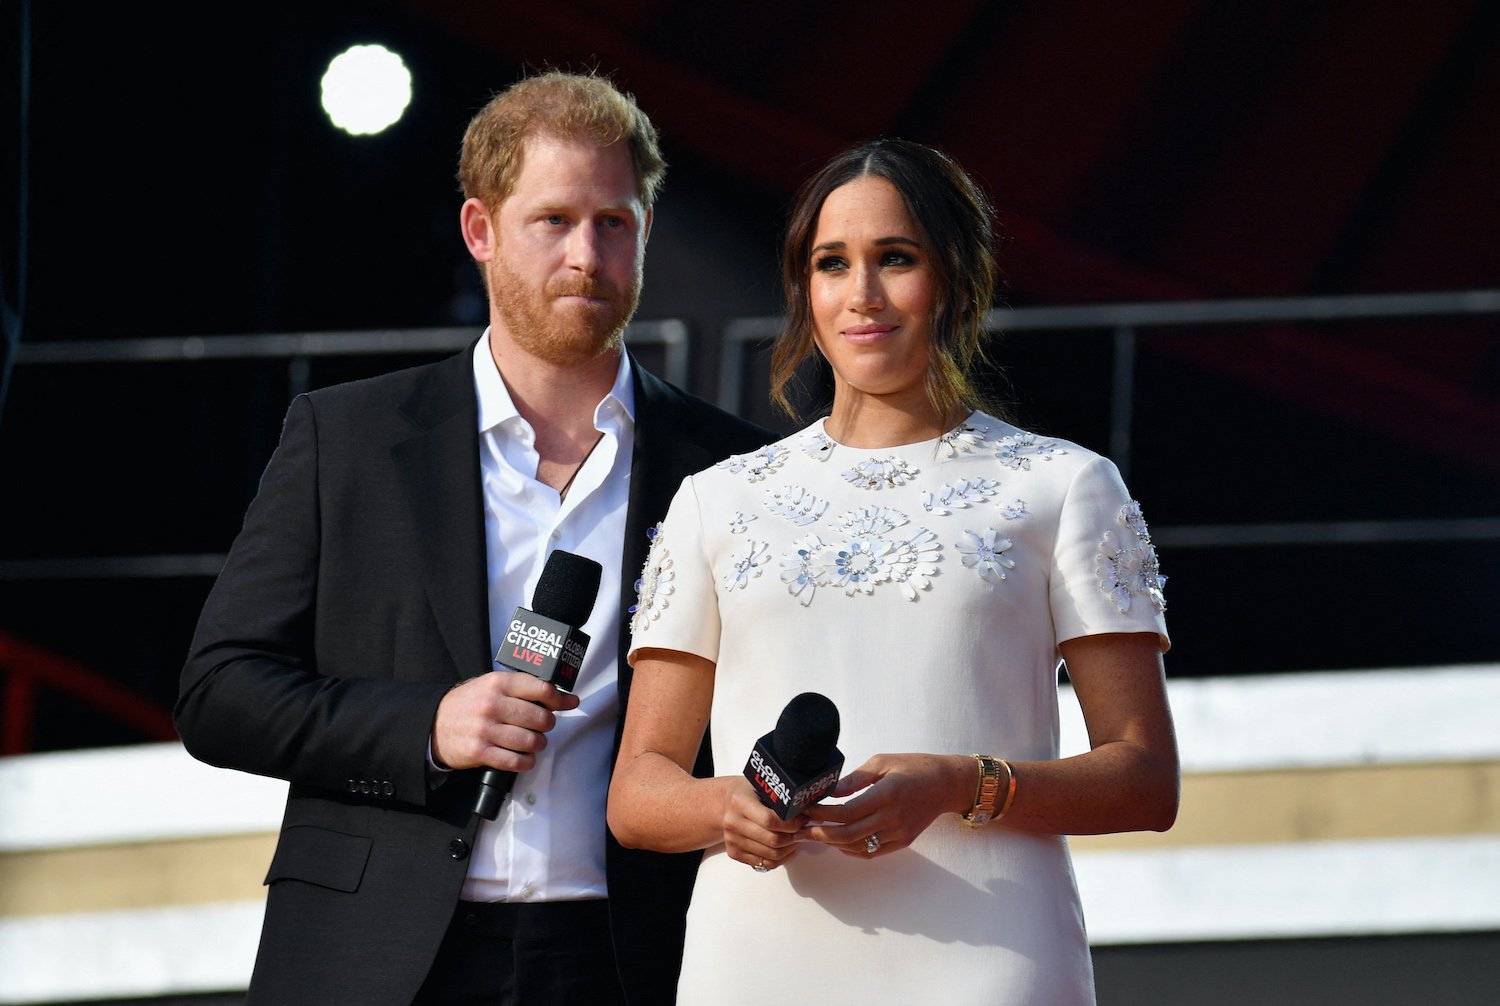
(924, 589)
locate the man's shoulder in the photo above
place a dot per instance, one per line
(418, 396)
(397, 384)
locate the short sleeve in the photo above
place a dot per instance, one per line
(1106, 576)
(676, 604)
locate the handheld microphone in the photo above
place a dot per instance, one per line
(798, 763)
(546, 643)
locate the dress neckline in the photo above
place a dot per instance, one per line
(819, 429)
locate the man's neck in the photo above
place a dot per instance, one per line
(557, 400)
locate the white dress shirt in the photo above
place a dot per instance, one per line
(547, 844)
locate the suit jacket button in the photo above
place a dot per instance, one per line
(364, 785)
(458, 849)
(387, 788)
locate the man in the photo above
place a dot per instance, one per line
(348, 644)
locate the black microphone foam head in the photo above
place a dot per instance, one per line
(567, 588)
(806, 733)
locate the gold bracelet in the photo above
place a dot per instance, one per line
(987, 796)
(1010, 790)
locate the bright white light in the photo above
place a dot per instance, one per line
(365, 89)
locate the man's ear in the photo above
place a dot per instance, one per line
(646, 234)
(478, 230)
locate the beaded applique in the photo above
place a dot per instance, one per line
(868, 555)
(795, 504)
(757, 464)
(796, 568)
(746, 564)
(880, 473)
(962, 440)
(654, 588)
(984, 551)
(1125, 573)
(817, 445)
(1016, 452)
(959, 495)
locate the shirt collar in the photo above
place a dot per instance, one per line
(496, 405)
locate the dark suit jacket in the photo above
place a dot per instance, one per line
(352, 599)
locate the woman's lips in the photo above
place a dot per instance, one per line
(863, 334)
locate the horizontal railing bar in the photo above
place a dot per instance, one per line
(669, 333)
(1249, 311)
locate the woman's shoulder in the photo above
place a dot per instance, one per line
(1020, 449)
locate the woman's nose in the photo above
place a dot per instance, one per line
(867, 294)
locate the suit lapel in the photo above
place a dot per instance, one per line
(438, 467)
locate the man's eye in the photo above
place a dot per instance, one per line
(554, 218)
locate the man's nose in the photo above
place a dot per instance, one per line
(583, 249)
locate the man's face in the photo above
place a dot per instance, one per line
(570, 243)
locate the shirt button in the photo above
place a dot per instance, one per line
(531, 799)
(555, 535)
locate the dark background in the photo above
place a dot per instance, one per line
(175, 177)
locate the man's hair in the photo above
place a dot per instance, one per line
(957, 219)
(562, 105)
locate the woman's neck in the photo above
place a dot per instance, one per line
(870, 421)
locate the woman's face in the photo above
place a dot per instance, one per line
(872, 288)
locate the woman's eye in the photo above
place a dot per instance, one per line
(828, 263)
(896, 258)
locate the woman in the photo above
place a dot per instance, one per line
(924, 565)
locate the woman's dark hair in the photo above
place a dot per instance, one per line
(956, 218)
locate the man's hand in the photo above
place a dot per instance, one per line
(497, 720)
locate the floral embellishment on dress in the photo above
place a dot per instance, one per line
(795, 504)
(914, 561)
(962, 440)
(880, 473)
(856, 565)
(864, 558)
(740, 521)
(1017, 451)
(984, 551)
(870, 520)
(1127, 572)
(959, 495)
(745, 565)
(757, 464)
(654, 588)
(1014, 510)
(797, 568)
(817, 445)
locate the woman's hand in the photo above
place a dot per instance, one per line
(899, 795)
(753, 833)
